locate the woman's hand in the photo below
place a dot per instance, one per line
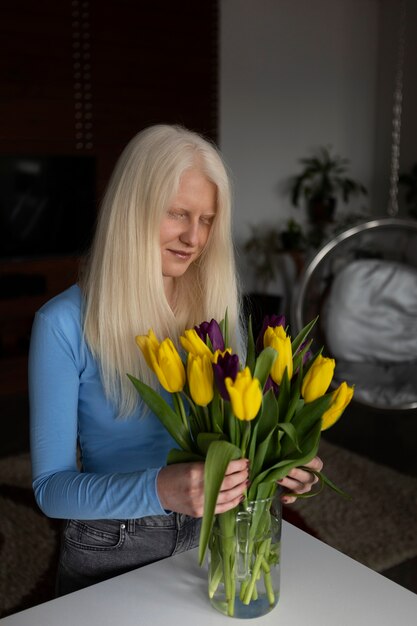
(299, 481)
(181, 487)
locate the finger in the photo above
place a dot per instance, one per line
(315, 464)
(237, 473)
(231, 494)
(302, 476)
(222, 507)
(296, 487)
(238, 465)
(288, 499)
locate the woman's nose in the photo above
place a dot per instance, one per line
(190, 234)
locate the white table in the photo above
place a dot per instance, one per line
(319, 586)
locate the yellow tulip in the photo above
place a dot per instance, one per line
(278, 339)
(200, 378)
(340, 399)
(318, 378)
(164, 360)
(148, 343)
(245, 395)
(215, 356)
(192, 344)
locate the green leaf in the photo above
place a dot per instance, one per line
(295, 400)
(250, 355)
(298, 358)
(205, 439)
(261, 450)
(263, 364)
(323, 480)
(304, 420)
(219, 455)
(167, 416)
(309, 447)
(302, 335)
(291, 432)
(274, 448)
(182, 456)
(269, 414)
(216, 412)
(224, 327)
(284, 395)
(233, 427)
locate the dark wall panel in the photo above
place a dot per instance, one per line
(86, 75)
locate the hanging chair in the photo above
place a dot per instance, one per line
(363, 286)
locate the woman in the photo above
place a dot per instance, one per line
(162, 257)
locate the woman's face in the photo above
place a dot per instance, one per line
(186, 225)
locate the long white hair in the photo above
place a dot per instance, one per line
(122, 282)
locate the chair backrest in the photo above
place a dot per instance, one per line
(363, 285)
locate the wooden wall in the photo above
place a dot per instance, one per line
(83, 76)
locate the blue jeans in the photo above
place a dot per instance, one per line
(95, 550)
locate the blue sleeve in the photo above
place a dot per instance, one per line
(61, 490)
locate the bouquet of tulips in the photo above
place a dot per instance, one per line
(270, 409)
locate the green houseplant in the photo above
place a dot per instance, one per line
(321, 181)
(266, 244)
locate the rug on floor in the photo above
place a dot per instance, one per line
(377, 526)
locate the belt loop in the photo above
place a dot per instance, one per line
(131, 526)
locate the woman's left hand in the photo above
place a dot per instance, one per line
(299, 480)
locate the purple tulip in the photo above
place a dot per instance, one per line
(269, 320)
(308, 355)
(270, 384)
(213, 332)
(227, 366)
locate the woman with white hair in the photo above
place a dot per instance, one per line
(162, 257)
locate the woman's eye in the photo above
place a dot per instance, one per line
(176, 215)
(207, 221)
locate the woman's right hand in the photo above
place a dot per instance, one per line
(181, 487)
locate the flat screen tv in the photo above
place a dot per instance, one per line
(47, 205)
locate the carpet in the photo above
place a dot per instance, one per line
(377, 527)
(28, 541)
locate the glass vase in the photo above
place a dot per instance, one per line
(244, 559)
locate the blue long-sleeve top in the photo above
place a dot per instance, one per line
(120, 457)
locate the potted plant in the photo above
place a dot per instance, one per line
(409, 182)
(322, 180)
(266, 244)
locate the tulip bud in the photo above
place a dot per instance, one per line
(318, 378)
(278, 339)
(226, 365)
(164, 360)
(213, 332)
(192, 344)
(245, 395)
(272, 321)
(340, 399)
(200, 378)
(148, 343)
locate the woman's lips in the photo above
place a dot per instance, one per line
(185, 256)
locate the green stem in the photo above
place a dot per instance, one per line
(215, 579)
(179, 405)
(229, 583)
(207, 419)
(245, 438)
(268, 582)
(255, 573)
